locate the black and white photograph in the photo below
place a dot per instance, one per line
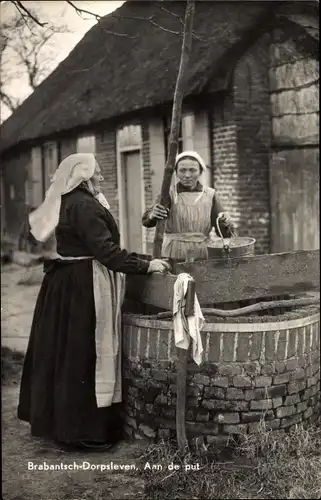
(160, 256)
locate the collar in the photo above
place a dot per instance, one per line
(183, 189)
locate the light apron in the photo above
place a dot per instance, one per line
(109, 291)
(188, 226)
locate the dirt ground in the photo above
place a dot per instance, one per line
(17, 306)
(21, 452)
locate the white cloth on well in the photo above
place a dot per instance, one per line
(187, 328)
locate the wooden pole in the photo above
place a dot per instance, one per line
(164, 200)
(182, 359)
(175, 124)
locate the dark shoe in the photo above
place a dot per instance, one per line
(92, 445)
(85, 446)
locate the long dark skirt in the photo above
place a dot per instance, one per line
(57, 394)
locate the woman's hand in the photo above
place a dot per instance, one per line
(227, 225)
(158, 266)
(225, 218)
(158, 212)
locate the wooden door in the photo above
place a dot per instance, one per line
(133, 193)
(294, 186)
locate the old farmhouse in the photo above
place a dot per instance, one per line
(251, 110)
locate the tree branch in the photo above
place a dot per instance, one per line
(91, 67)
(117, 34)
(170, 13)
(98, 17)
(151, 20)
(177, 16)
(26, 13)
(26, 50)
(176, 118)
(8, 101)
(80, 11)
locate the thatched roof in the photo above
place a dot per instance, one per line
(107, 75)
(306, 16)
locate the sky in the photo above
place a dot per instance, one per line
(57, 12)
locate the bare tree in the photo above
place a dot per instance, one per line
(180, 90)
(176, 119)
(25, 51)
(26, 14)
(25, 40)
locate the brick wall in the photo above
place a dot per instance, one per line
(201, 143)
(148, 182)
(107, 159)
(157, 154)
(250, 371)
(241, 145)
(226, 167)
(253, 115)
(147, 164)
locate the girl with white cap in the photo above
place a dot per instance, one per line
(193, 212)
(71, 381)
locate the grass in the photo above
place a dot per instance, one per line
(264, 465)
(11, 365)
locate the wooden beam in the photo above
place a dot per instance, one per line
(228, 280)
(231, 280)
(156, 290)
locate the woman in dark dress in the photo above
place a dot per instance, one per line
(71, 386)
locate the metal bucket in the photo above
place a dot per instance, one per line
(239, 247)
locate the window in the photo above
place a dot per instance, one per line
(86, 144)
(186, 132)
(12, 192)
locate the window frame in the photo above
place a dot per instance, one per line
(81, 146)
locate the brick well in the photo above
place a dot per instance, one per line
(252, 368)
